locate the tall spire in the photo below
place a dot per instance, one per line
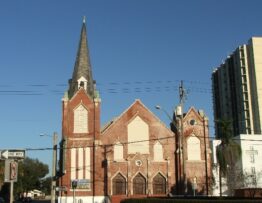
(82, 75)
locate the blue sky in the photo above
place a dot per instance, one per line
(138, 48)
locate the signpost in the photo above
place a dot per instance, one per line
(61, 188)
(11, 156)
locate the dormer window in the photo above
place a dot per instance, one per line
(82, 83)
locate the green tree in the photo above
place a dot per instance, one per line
(30, 173)
(46, 185)
(228, 152)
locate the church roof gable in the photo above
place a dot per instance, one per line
(192, 110)
(133, 105)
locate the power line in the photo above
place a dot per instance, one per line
(120, 90)
(132, 142)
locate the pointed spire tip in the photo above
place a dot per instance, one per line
(84, 19)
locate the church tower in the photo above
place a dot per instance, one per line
(79, 155)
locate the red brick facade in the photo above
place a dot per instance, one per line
(196, 125)
(82, 140)
(133, 155)
(117, 133)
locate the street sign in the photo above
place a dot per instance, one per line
(61, 188)
(4, 154)
(13, 154)
(11, 170)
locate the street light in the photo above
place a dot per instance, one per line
(161, 109)
(53, 182)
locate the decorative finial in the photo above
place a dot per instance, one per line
(84, 19)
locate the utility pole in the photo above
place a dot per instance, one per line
(182, 96)
(205, 149)
(53, 182)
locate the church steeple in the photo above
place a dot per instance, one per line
(82, 75)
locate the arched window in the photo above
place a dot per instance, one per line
(118, 151)
(193, 148)
(139, 185)
(119, 185)
(158, 152)
(159, 184)
(80, 120)
(138, 130)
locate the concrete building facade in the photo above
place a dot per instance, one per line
(236, 97)
(250, 166)
(236, 89)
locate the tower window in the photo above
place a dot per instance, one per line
(80, 120)
(82, 84)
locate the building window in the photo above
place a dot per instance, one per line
(82, 83)
(139, 185)
(193, 148)
(138, 130)
(158, 152)
(80, 120)
(118, 151)
(159, 184)
(119, 185)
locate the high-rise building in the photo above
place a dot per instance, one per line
(236, 89)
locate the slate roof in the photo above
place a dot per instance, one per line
(82, 65)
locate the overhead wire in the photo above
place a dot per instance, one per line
(132, 142)
(110, 87)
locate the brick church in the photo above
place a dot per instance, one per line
(133, 155)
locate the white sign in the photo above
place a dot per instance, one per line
(16, 154)
(13, 154)
(62, 188)
(4, 154)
